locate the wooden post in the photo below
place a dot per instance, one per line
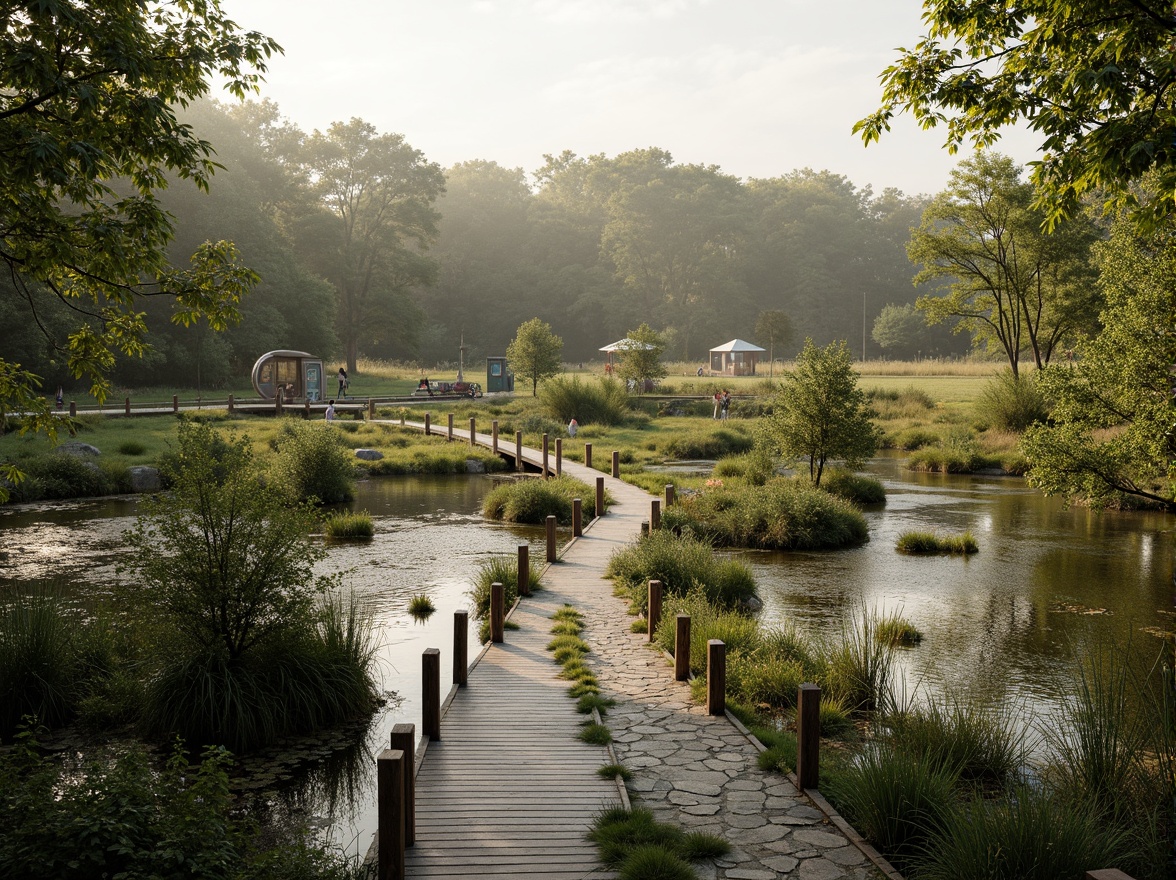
(73, 409)
(559, 456)
(519, 451)
(653, 611)
(428, 424)
(230, 403)
(616, 463)
(371, 408)
(577, 518)
(551, 538)
(449, 429)
(808, 736)
(403, 738)
(306, 407)
(716, 677)
(524, 570)
(494, 436)
(127, 407)
(682, 647)
(461, 647)
(645, 527)
(588, 455)
(600, 496)
(176, 402)
(655, 514)
(1107, 874)
(497, 612)
(545, 470)
(390, 772)
(473, 433)
(670, 496)
(431, 685)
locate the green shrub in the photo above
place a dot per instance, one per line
(964, 738)
(853, 487)
(957, 453)
(62, 475)
(532, 500)
(740, 632)
(710, 443)
(757, 467)
(121, 816)
(1024, 837)
(347, 524)
(783, 514)
(679, 562)
(313, 463)
(914, 438)
(131, 447)
(1011, 403)
(533, 423)
(39, 662)
(896, 801)
(910, 403)
(599, 402)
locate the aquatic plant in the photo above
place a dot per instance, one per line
(532, 500)
(919, 543)
(680, 562)
(348, 524)
(420, 606)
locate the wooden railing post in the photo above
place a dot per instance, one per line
(461, 647)
(655, 514)
(431, 685)
(519, 451)
(473, 433)
(559, 456)
(306, 407)
(231, 403)
(524, 570)
(546, 473)
(449, 429)
(716, 677)
(428, 424)
(403, 738)
(670, 496)
(588, 455)
(371, 409)
(653, 614)
(682, 647)
(494, 436)
(551, 538)
(127, 407)
(73, 409)
(600, 496)
(176, 402)
(808, 736)
(497, 613)
(577, 518)
(616, 463)
(390, 772)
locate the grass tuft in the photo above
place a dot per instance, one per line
(923, 543)
(349, 525)
(612, 771)
(595, 734)
(421, 606)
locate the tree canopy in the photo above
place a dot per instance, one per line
(820, 413)
(641, 358)
(535, 352)
(1093, 78)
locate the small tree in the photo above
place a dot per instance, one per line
(641, 358)
(773, 328)
(536, 353)
(821, 413)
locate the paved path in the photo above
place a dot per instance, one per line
(693, 770)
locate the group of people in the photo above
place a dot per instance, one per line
(722, 404)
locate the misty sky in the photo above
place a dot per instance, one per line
(758, 87)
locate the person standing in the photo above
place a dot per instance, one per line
(725, 404)
(342, 377)
(573, 427)
(718, 399)
(330, 410)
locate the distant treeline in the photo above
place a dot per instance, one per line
(366, 249)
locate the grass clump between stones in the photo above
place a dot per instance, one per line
(595, 734)
(634, 844)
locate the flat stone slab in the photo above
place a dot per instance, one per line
(823, 839)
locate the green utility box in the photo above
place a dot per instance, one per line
(498, 377)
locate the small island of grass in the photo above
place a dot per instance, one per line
(930, 543)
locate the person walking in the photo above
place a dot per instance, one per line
(330, 410)
(342, 377)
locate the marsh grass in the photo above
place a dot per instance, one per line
(861, 665)
(756, 467)
(835, 720)
(421, 607)
(503, 570)
(894, 629)
(1011, 403)
(532, 500)
(782, 514)
(591, 401)
(855, 488)
(738, 630)
(349, 525)
(974, 743)
(918, 543)
(680, 563)
(709, 443)
(39, 660)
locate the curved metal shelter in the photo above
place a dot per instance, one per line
(296, 375)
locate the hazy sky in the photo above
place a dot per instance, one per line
(758, 87)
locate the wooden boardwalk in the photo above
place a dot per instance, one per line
(509, 790)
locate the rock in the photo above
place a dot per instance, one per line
(369, 454)
(753, 604)
(144, 478)
(474, 466)
(76, 447)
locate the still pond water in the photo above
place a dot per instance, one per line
(1048, 583)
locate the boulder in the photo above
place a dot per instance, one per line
(144, 478)
(369, 454)
(75, 447)
(475, 466)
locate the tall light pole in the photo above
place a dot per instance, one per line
(863, 326)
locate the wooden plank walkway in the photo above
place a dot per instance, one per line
(509, 790)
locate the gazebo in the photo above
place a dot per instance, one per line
(735, 358)
(623, 345)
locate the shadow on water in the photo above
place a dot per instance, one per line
(1048, 582)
